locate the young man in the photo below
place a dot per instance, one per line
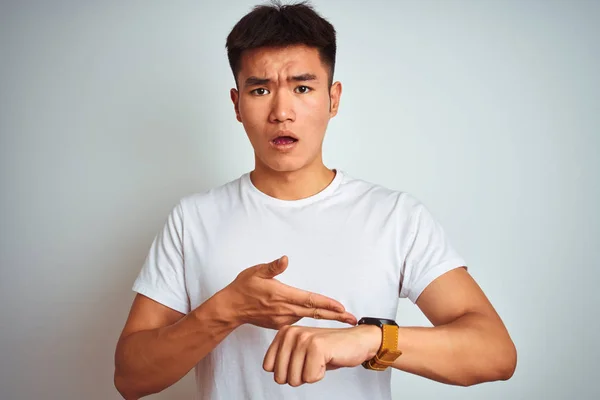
(211, 296)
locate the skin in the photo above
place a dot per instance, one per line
(158, 345)
(298, 98)
(468, 343)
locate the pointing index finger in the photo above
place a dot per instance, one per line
(313, 300)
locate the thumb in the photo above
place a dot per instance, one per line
(274, 268)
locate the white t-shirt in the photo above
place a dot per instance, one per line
(359, 243)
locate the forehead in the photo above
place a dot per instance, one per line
(270, 61)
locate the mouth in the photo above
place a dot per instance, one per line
(279, 140)
(284, 135)
(284, 141)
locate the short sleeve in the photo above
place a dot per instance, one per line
(428, 253)
(162, 277)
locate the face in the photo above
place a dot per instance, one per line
(284, 93)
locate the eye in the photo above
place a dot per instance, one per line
(302, 89)
(260, 92)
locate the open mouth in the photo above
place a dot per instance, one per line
(283, 140)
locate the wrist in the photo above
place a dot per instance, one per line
(372, 337)
(219, 309)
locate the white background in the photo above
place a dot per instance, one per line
(487, 111)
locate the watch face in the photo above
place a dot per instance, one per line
(377, 321)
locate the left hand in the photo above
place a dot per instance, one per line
(301, 355)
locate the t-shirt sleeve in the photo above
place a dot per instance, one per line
(428, 253)
(162, 277)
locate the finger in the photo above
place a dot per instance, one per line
(273, 268)
(314, 365)
(284, 352)
(312, 300)
(270, 356)
(296, 365)
(319, 313)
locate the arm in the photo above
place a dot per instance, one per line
(468, 344)
(158, 345)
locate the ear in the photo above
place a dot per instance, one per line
(334, 98)
(235, 98)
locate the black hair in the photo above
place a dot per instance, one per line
(278, 25)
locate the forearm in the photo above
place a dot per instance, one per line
(149, 361)
(472, 349)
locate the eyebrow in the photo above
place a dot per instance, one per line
(255, 81)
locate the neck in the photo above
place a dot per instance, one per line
(292, 185)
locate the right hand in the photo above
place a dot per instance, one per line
(261, 300)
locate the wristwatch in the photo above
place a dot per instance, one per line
(388, 352)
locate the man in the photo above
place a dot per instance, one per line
(236, 268)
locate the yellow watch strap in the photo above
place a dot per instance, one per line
(388, 352)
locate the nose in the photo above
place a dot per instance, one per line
(282, 109)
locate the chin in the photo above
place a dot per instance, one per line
(284, 165)
(288, 167)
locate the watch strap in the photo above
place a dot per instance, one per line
(388, 352)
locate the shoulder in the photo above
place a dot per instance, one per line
(381, 196)
(210, 200)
